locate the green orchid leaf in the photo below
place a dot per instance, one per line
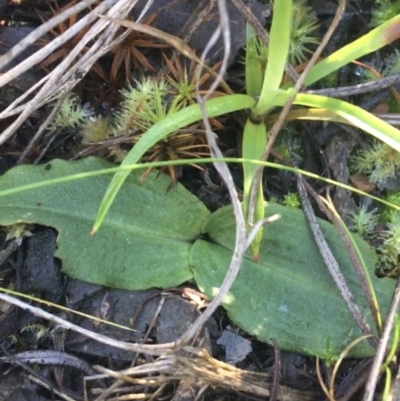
(254, 143)
(370, 42)
(345, 112)
(278, 51)
(133, 250)
(150, 235)
(355, 116)
(253, 68)
(289, 295)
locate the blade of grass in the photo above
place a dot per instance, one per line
(254, 74)
(214, 107)
(254, 142)
(129, 168)
(308, 114)
(278, 51)
(350, 113)
(273, 133)
(356, 116)
(372, 41)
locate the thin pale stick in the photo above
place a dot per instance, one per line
(12, 109)
(332, 265)
(57, 74)
(222, 168)
(383, 345)
(334, 218)
(258, 226)
(38, 56)
(158, 349)
(46, 91)
(42, 128)
(83, 65)
(41, 30)
(328, 209)
(145, 9)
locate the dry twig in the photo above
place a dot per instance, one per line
(66, 75)
(383, 346)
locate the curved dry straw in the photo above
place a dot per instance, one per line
(198, 367)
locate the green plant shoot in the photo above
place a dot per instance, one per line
(254, 70)
(255, 134)
(278, 52)
(254, 143)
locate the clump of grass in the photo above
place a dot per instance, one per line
(187, 143)
(389, 251)
(291, 199)
(142, 106)
(384, 11)
(304, 23)
(379, 162)
(130, 53)
(70, 115)
(363, 221)
(382, 230)
(389, 66)
(392, 63)
(144, 103)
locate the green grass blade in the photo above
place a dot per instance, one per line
(278, 52)
(372, 41)
(215, 107)
(253, 72)
(350, 114)
(356, 116)
(133, 167)
(254, 143)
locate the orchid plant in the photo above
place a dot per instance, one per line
(265, 92)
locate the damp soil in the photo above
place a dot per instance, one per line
(62, 358)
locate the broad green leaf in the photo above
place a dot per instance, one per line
(146, 236)
(288, 295)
